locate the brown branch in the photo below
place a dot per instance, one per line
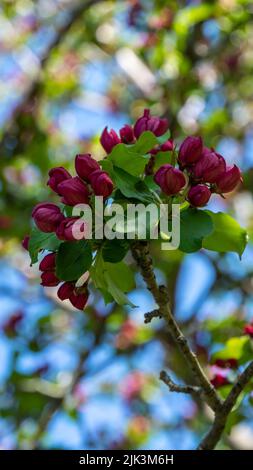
(140, 252)
(188, 389)
(213, 436)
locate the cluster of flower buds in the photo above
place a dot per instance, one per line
(222, 368)
(77, 296)
(129, 134)
(194, 173)
(203, 170)
(49, 218)
(72, 190)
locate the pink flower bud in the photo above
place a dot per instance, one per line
(101, 183)
(85, 166)
(150, 123)
(25, 242)
(49, 279)
(65, 229)
(199, 195)
(127, 134)
(74, 191)
(79, 300)
(66, 290)
(170, 180)
(219, 380)
(48, 263)
(47, 216)
(229, 179)
(166, 147)
(210, 167)
(190, 150)
(248, 330)
(109, 139)
(56, 176)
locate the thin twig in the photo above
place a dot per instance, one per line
(148, 316)
(189, 389)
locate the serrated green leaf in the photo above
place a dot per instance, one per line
(41, 241)
(227, 234)
(73, 259)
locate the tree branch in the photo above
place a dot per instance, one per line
(214, 435)
(140, 252)
(189, 389)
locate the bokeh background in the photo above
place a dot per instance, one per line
(68, 68)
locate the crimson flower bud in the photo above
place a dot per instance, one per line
(109, 139)
(56, 176)
(48, 263)
(248, 330)
(219, 380)
(166, 147)
(170, 180)
(229, 179)
(101, 183)
(85, 166)
(47, 216)
(49, 279)
(226, 363)
(25, 242)
(210, 167)
(199, 195)
(65, 229)
(127, 134)
(79, 300)
(65, 290)
(190, 150)
(74, 191)
(150, 123)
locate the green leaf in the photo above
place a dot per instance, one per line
(195, 225)
(145, 143)
(227, 234)
(115, 279)
(41, 241)
(132, 158)
(73, 259)
(236, 348)
(162, 158)
(114, 251)
(131, 186)
(124, 157)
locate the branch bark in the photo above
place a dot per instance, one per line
(215, 433)
(222, 409)
(140, 252)
(188, 389)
